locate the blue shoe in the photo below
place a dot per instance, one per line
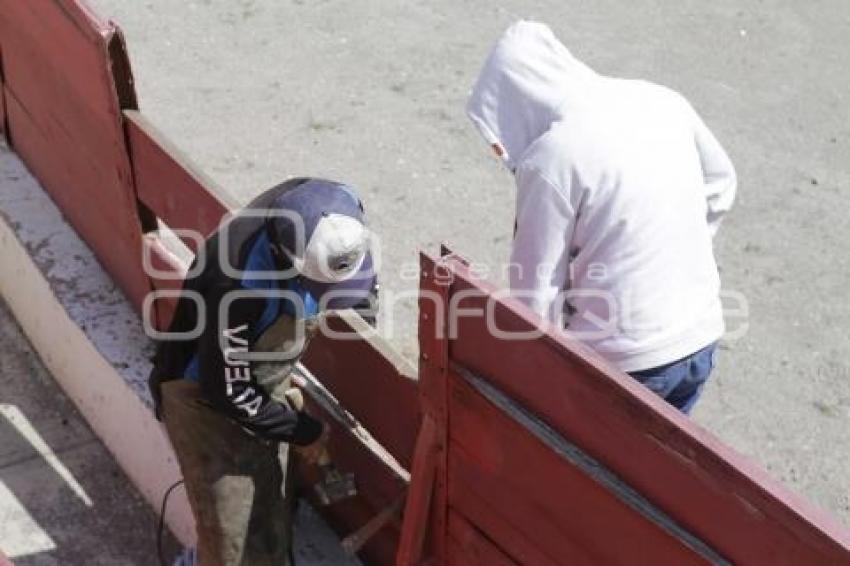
(189, 557)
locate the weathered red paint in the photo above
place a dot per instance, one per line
(709, 489)
(467, 545)
(497, 468)
(170, 185)
(433, 386)
(64, 120)
(419, 495)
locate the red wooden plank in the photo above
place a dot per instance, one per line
(557, 507)
(83, 16)
(457, 556)
(111, 230)
(417, 510)
(469, 546)
(347, 516)
(63, 77)
(496, 527)
(433, 367)
(433, 337)
(371, 381)
(64, 121)
(170, 185)
(709, 489)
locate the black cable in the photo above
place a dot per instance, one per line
(161, 527)
(161, 523)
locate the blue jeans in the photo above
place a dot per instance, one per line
(680, 383)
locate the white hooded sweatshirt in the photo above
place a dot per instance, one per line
(620, 189)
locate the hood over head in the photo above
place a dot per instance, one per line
(528, 82)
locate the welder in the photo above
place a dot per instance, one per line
(221, 382)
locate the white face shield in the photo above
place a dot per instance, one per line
(324, 236)
(335, 250)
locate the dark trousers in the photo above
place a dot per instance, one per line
(239, 487)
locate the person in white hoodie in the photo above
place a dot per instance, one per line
(620, 190)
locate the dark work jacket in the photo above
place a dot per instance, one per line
(227, 383)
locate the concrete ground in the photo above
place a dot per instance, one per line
(257, 91)
(63, 500)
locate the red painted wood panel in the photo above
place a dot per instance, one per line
(52, 51)
(469, 546)
(709, 489)
(64, 121)
(433, 366)
(372, 382)
(113, 237)
(555, 506)
(419, 503)
(87, 21)
(478, 512)
(170, 185)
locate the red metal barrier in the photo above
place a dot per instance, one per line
(66, 80)
(547, 456)
(170, 185)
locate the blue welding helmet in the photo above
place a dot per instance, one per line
(320, 227)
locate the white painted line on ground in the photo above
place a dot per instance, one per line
(20, 534)
(24, 427)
